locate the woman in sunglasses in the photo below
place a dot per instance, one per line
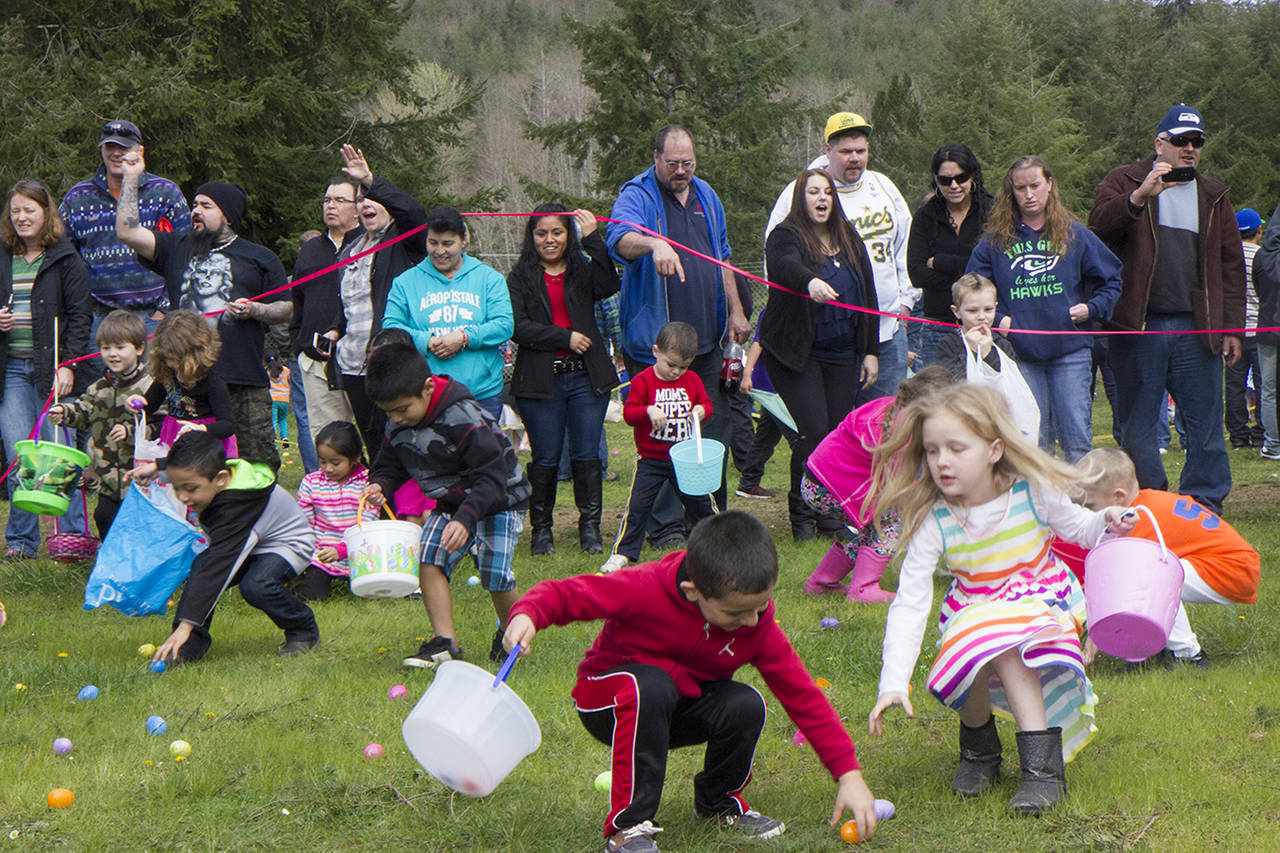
(1052, 274)
(943, 234)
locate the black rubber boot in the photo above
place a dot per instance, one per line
(803, 518)
(979, 759)
(1044, 779)
(587, 487)
(542, 503)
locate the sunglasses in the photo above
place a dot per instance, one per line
(948, 180)
(1196, 140)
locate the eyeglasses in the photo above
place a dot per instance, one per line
(948, 180)
(1196, 140)
(334, 199)
(687, 165)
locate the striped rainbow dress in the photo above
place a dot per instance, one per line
(1007, 591)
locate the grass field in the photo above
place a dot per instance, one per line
(1184, 760)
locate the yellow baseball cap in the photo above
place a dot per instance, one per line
(845, 122)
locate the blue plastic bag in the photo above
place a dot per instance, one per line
(147, 554)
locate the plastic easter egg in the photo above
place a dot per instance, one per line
(604, 781)
(397, 692)
(156, 666)
(884, 809)
(822, 683)
(2, 616)
(146, 650)
(849, 831)
(156, 725)
(799, 739)
(474, 580)
(179, 749)
(829, 622)
(374, 750)
(62, 745)
(60, 798)
(87, 692)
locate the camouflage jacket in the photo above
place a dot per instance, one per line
(100, 408)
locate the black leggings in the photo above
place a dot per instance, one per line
(818, 397)
(371, 421)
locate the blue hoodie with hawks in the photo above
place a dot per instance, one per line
(1036, 287)
(426, 304)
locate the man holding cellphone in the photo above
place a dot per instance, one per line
(1175, 231)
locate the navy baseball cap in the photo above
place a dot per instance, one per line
(1181, 119)
(121, 132)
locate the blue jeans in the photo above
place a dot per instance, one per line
(565, 471)
(298, 399)
(573, 407)
(18, 412)
(893, 368)
(1144, 365)
(492, 405)
(1061, 389)
(927, 341)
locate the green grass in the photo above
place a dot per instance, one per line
(1183, 761)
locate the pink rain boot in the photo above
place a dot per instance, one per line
(830, 574)
(867, 571)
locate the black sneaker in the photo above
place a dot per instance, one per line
(297, 647)
(435, 651)
(497, 653)
(756, 491)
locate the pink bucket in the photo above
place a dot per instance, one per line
(1132, 588)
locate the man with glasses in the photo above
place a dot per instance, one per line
(116, 279)
(1175, 231)
(880, 214)
(316, 305)
(662, 284)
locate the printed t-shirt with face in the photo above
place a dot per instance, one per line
(236, 270)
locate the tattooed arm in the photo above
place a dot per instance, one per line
(128, 225)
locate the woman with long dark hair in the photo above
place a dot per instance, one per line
(818, 356)
(1051, 273)
(943, 233)
(563, 371)
(44, 320)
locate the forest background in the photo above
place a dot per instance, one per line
(501, 104)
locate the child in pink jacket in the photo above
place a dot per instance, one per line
(838, 479)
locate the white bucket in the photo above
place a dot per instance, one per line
(384, 558)
(467, 733)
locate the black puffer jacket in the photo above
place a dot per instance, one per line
(61, 290)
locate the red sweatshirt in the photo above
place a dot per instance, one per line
(675, 399)
(648, 620)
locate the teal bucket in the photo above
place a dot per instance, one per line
(694, 477)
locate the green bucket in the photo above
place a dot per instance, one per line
(47, 474)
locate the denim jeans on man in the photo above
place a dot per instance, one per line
(298, 400)
(1061, 389)
(18, 411)
(1144, 365)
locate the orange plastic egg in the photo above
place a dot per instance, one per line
(60, 798)
(822, 683)
(849, 831)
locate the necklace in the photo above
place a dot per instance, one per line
(963, 520)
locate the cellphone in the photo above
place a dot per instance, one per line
(321, 344)
(1178, 174)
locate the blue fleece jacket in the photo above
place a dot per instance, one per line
(1037, 287)
(424, 303)
(644, 292)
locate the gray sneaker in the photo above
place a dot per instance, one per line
(753, 824)
(637, 839)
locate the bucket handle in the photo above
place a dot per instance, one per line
(505, 669)
(1132, 512)
(360, 510)
(697, 434)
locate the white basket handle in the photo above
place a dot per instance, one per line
(697, 433)
(1132, 512)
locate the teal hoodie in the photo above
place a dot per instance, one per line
(424, 303)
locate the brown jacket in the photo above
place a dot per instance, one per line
(1218, 302)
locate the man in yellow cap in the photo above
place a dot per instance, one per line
(876, 208)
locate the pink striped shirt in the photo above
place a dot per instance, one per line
(331, 508)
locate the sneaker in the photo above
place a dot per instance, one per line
(297, 647)
(756, 491)
(615, 562)
(1197, 661)
(609, 476)
(637, 839)
(753, 824)
(669, 543)
(497, 653)
(1269, 454)
(435, 651)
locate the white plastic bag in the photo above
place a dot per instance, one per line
(145, 450)
(1009, 382)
